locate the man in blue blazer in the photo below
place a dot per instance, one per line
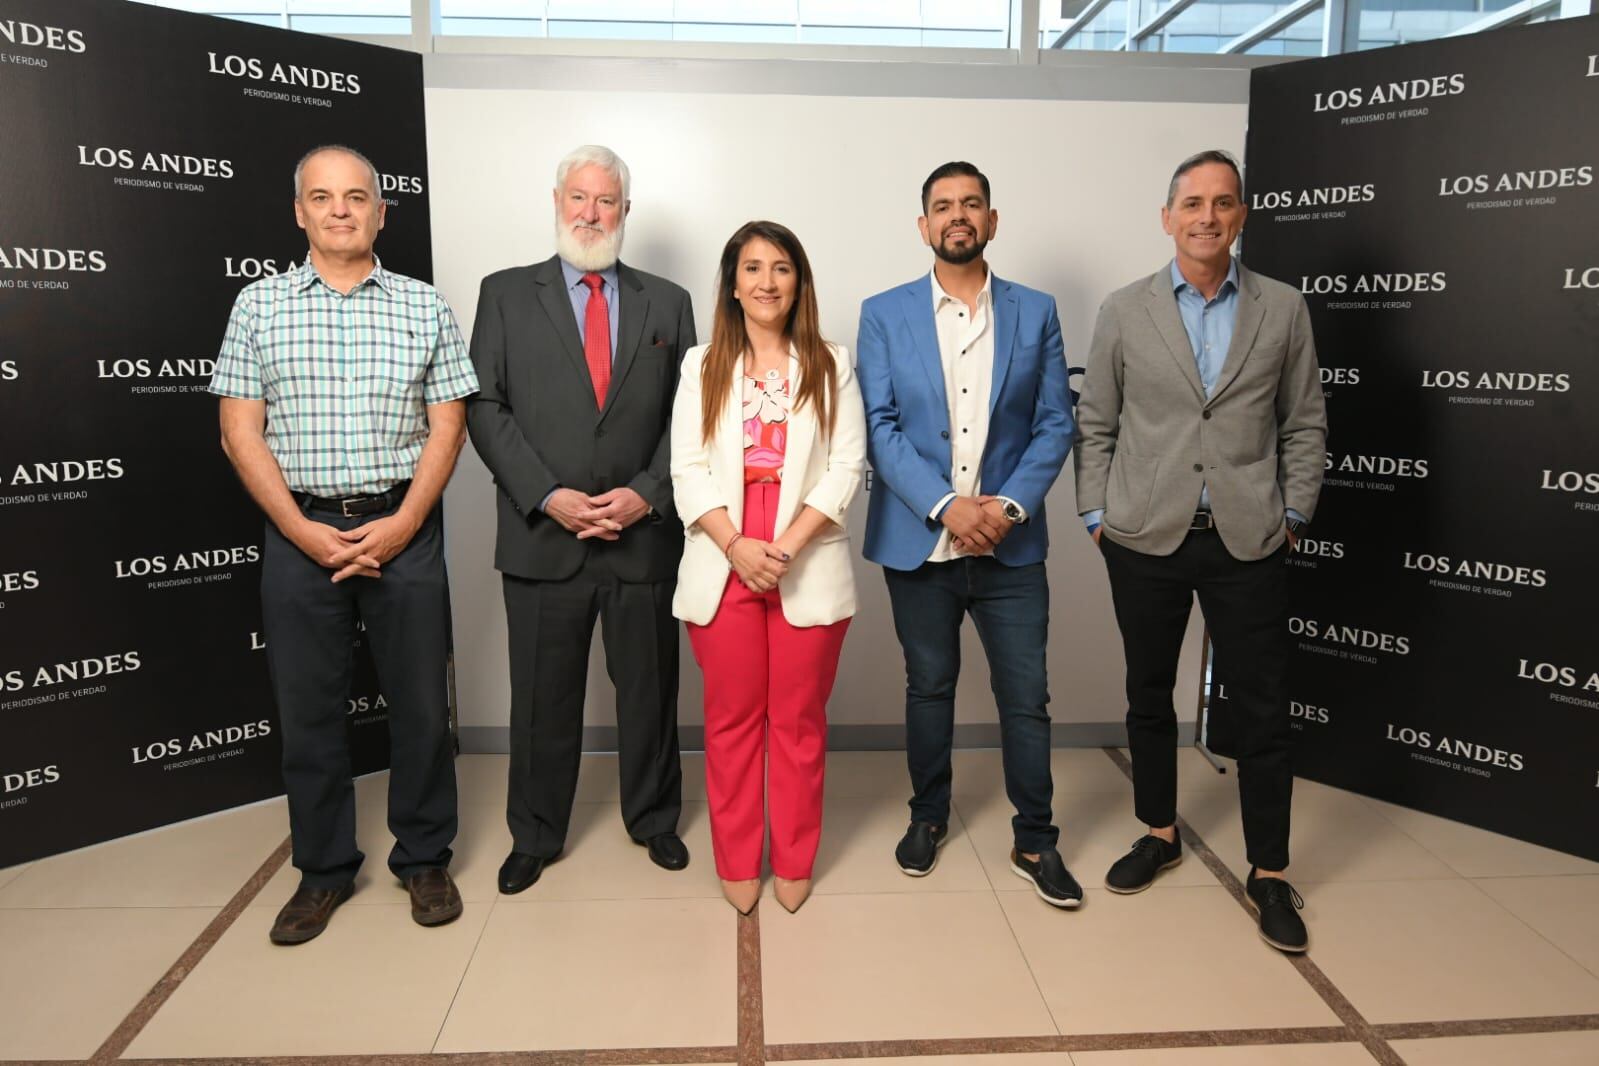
(969, 421)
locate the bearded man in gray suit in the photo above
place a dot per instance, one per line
(579, 356)
(1202, 440)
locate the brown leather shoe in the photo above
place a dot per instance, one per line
(306, 914)
(434, 898)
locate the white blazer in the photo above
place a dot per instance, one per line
(822, 472)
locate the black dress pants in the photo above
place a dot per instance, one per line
(550, 625)
(310, 625)
(1245, 605)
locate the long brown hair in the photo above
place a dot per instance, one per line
(729, 340)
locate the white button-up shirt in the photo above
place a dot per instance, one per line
(966, 351)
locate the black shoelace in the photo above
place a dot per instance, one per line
(1279, 892)
(1149, 845)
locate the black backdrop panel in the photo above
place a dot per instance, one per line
(1438, 204)
(147, 178)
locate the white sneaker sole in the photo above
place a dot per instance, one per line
(1134, 891)
(937, 845)
(1063, 904)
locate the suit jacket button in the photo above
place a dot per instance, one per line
(944, 434)
(600, 432)
(1199, 468)
(1204, 414)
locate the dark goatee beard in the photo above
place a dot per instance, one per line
(959, 257)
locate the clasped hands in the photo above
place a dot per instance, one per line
(978, 523)
(759, 564)
(602, 517)
(359, 552)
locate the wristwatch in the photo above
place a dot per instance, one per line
(1012, 511)
(1297, 528)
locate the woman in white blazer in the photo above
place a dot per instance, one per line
(768, 449)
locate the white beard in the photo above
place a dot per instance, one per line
(595, 256)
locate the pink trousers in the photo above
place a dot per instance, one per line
(766, 690)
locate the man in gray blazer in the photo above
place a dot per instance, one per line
(1201, 443)
(578, 358)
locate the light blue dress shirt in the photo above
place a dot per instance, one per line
(579, 295)
(1209, 325)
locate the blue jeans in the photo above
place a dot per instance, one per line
(1010, 607)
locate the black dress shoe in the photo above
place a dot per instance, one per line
(917, 852)
(1277, 904)
(1054, 883)
(307, 912)
(434, 898)
(518, 871)
(1136, 870)
(666, 851)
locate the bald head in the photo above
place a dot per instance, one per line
(339, 149)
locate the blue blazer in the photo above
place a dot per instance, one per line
(1030, 424)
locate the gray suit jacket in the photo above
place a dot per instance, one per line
(1148, 440)
(536, 425)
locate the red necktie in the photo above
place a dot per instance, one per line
(597, 337)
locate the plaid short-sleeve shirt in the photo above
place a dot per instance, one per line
(346, 378)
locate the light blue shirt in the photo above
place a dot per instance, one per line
(1209, 325)
(579, 295)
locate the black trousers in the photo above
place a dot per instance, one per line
(1246, 610)
(310, 625)
(551, 626)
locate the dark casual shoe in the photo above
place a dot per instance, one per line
(307, 912)
(666, 851)
(1136, 870)
(519, 871)
(1278, 905)
(434, 897)
(1054, 883)
(917, 852)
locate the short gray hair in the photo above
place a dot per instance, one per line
(594, 155)
(299, 168)
(1199, 159)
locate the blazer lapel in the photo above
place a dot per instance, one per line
(631, 316)
(1162, 305)
(1246, 326)
(1007, 318)
(919, 316)
(558, 307)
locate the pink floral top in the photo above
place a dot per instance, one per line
(766, 405)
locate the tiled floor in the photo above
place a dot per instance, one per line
(1414, 920)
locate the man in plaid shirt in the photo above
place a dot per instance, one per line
(343, 410)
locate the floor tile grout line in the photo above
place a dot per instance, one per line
(750, 1004)
(1061, 1043)
(1534, 1024)
(140, 1016)
(1313, 974)
(1039, 988)
(476, 944)
(1534, 930)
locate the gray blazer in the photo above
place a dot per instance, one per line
(536, 426)
(1148, 440)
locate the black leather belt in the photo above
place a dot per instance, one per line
(354, 506)
(1203, 520)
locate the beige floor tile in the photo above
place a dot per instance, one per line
(869, 775)
(1531, 1049)
(1096, 829)
(929, 965)
(480, 780)
(1474, 852)
(374, 983)
(602, 862)
(199, 863)
(1336, 836)
(11, 873)
(70, 976)
(980, 772)
(857, 852)
(1195, 772)
(1055, 1058)
(1191, 954)
(600, 974)
(1564, 909)
(1279, 1055)
(1438, 950)
(598, 780)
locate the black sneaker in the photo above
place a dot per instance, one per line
(917, 852)
(1277, 904)
(1051, 880)
(1136, 870)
